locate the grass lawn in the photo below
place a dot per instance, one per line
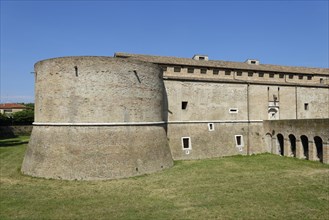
(240, 187)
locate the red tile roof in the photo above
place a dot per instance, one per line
(12, 106)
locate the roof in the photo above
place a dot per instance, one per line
(12, 106)
(223, 64)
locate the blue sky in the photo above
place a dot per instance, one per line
(275, 32)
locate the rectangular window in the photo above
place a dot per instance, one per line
(239, 141)
(309, 77)
(261, 74)
(177, 69)
(211, 127)
(305, 106)
(239, 73)
(271, 75)
(184, 105)
(291, 76)
(300, 77)
(233, 110)
(227, 72)
(215, 71)
(321, 80)
(281, 75)
(190, 70)
(250, 74)
(76, 71)
(186, 143)
(203, 71)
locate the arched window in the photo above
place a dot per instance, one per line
(280, 142)
(292, 140)
(304, 140)
(319, 147)
(268, 142)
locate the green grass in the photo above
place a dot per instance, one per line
(240, 187)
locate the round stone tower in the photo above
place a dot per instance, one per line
(97, 118)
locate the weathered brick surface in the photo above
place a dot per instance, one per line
(129, 90)
(309, 128)
(97, 90)
(96, 152)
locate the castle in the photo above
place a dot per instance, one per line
(127, 115)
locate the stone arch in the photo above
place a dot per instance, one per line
(292, 140)
(280, 144)
(319, 147)
(268, 142)
(304, 140)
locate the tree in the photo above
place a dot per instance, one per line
(25, 117)
(30, 106)
(4, 120)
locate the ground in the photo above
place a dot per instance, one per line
(246, 187)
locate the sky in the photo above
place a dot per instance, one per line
(293, 33)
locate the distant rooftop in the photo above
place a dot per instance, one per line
(251, 65)
(12, 106)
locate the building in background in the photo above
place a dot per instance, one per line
(10, 108)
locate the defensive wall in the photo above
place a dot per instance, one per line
(217, 108)
(303, 138)
(115, 117)
(233, 111)
(97, 118)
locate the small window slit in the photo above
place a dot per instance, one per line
(76, 71)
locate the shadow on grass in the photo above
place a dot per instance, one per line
(12, 143)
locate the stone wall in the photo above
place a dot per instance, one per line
(218, 142)
(96, 152)
(205, 101)
(97, 118)
(299, 134)
(106, 118)
(97, 89)
(270, 77)
(212, 102)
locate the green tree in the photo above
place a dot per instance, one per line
(30, 106)
(25, 117)
(5, 120)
